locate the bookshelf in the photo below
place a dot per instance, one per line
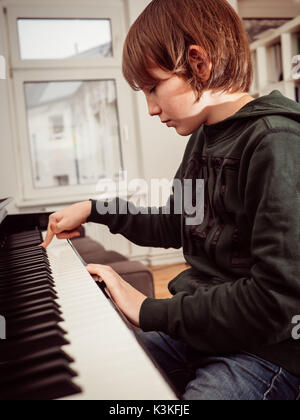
(272, 58)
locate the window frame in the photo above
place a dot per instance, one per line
(85, 69)
(105, 11)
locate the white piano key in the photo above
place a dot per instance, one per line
(108, 359)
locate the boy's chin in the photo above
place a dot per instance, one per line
(184, 131)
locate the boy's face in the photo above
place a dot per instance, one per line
(174, 102)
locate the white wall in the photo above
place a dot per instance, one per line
(8, 176)
(234, 4)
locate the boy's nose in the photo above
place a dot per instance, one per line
(153, 108)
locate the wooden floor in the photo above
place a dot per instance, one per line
(163, 274)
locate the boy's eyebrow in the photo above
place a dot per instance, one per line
(155, 83)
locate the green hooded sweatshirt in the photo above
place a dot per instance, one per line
(243, 290)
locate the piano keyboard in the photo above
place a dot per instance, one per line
(65, 339)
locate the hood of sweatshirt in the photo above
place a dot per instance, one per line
(274, 109)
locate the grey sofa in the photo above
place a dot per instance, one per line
(134, 272)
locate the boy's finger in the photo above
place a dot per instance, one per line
(49, 236)
(56, 227)
(92, 269)
(103, 271)
(98, 268)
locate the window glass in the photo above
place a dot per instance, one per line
(74, 132)
(46, 39)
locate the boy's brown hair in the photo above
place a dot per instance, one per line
(166, 29)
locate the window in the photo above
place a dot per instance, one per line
(46, 39)
(72, 103)
(87, 129)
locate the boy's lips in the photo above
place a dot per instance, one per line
(167, 122)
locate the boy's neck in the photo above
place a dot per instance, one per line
(220, 106)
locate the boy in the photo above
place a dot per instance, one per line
(227, 331)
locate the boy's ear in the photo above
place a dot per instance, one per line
(200, 62)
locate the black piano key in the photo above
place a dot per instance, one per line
(18, 276)
(20, 246)
(15, 348)
(25, 287)
(13, 243)
(26, 284)
(16, 366)
(12, 238)
(8, 295)
(53, 387)
(8, 280)
(35, 373)
(24, 252)
(15, 275)
(26, 278)
(53, 353)
(25, 233)
(19, 312)
(31, 253)
(35, 296)
(23, 262)
(17, 324)
(18, 272)
(14, 293)
(38, 250)
(30, 303)
(28, 331)
(17, 332)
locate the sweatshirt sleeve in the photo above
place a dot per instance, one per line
(144, 226)
(257, 311)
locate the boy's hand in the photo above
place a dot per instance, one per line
(127, 298)
(65, 223)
